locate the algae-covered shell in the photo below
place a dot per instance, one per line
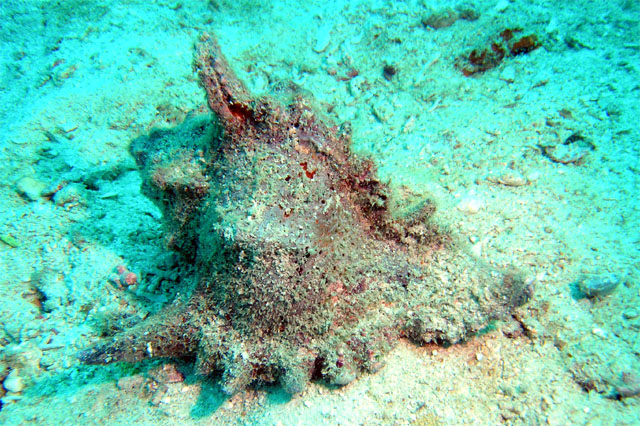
(598, 285)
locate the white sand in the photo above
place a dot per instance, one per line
(75, 92)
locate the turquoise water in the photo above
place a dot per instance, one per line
(516, 119)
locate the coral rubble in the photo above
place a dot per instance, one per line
(507, 45)
(306, 267)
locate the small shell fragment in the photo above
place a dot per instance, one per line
(470, 205)
(323, 38)
(9, 240)
(509, 178)
(512, 179)
(599, 285)
(13, 382)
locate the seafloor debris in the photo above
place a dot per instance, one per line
(573, 150)
(511, 178)
(125, 277)
(506, 45)
(10, 240)
(14, 382)
(630, 388)
(389, 71)
(598, 285)
(441, 19)
(306, 266)
(31, 188)
(446, 17)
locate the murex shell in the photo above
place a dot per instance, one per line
(307, 268)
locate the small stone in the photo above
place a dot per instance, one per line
(470, 205)
(357, 86)
(344, 376)
(260, 82)
(630, 314)
(598, 286)
(508, 74)
(512, 178)
(158, 396)
(501, 6)
(533, 176)
(168, 373)
(10, 240)
(72, 193)
(13, 382)
(382, 110)
(441, 19)
(552, 27)
(508, 390)
(467, 12)
(599, 332)
(68, 126)
(30, 188)
(130, 383)
(323, 38)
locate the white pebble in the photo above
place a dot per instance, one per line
(501, 6)
(476, 249)
(323, 38)
(533, 176)
(552, 27)
(13, 382)
(470, 205)
(512, 178)
(260, 82)
(68, 126)
(357, 86)
(383, 110)
(30, 188)
(508, 74)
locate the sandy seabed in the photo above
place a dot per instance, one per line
(535, 162)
